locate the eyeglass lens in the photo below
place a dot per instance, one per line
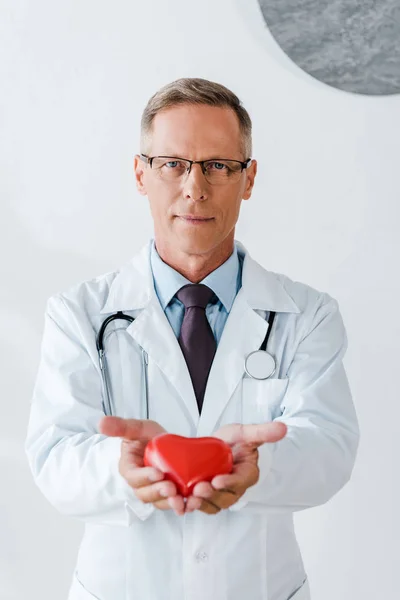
(215, 171)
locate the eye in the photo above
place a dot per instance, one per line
(218, 166)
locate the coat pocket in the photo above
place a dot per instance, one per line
(262, 400)
(303, 593)
(77, 591)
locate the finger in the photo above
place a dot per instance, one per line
(130, 429)
(208, 507)
(162, 504)
(155, 492)
(223, 498)
(207, 491)
(197, 503)
(242, 477)
(140, 477)
(132, 453)
(244, 453)
(177, 504)
(255, 434)
(193, 503)
(203, 489)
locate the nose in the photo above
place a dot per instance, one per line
(195, 184)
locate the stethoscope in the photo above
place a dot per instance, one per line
(259, 364)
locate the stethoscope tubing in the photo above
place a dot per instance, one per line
(103, 362)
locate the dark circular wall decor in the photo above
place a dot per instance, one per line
(353, 45)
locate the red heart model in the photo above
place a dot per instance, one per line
(186, 461)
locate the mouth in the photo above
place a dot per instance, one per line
(194, 219)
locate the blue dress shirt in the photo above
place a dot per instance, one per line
(225, 282)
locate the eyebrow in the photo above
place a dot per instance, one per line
(177, 155)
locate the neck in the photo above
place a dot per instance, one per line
(195, 267)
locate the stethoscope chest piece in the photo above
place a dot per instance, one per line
(259, 364)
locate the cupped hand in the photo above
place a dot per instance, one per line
(147, 483)
(225, 490)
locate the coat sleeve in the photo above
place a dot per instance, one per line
(316, 458)
(74, 466)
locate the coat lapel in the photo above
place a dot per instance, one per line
(133, 290)
(244, 332)
(152, 331)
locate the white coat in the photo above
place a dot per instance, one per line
(131, 551)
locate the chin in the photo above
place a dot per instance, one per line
(195, 245)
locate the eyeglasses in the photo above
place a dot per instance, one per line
(216, 171)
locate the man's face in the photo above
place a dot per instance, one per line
(197, 132)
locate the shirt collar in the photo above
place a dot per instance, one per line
(224, 281)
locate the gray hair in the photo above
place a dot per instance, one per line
(195, 91)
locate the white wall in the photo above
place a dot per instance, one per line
(74, 79)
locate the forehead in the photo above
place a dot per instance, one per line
(196, 132)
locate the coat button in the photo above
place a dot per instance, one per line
(201, 556)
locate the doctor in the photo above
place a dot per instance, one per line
(200, 305)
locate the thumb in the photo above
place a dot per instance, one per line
(130, 429)
(254, 435)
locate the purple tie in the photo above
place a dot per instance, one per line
(196, 338)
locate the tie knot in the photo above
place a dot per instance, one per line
(195, 294)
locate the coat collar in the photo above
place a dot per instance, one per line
(133, 287)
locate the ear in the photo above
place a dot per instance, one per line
(251, 173)
(139, 169)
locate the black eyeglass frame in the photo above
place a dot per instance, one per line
(149, 160)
